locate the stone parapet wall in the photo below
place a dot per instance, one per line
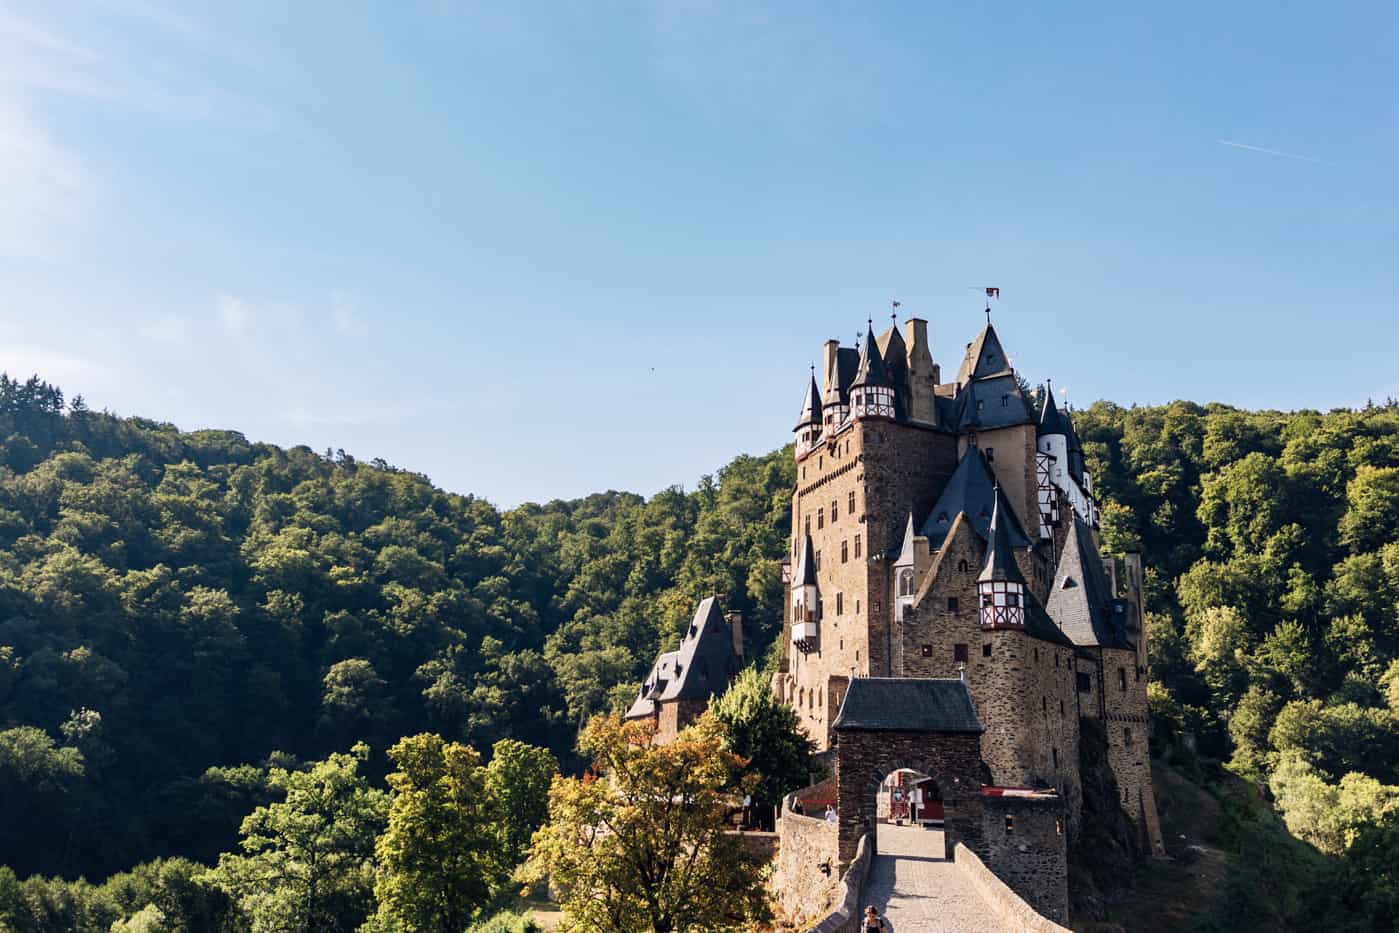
(1008, 906)
(846, 916)
(805, 843)
(1023, 842)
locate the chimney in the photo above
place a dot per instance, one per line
(832, 373)
(735, 620)
(922, 373)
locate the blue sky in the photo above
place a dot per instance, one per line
(538, 250)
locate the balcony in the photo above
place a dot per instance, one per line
(804, 635)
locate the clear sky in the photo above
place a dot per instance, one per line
(538, 250)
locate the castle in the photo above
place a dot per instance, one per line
(946, 535)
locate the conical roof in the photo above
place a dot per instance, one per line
(905, 558)
(971, 490)
(985, 357)
(1000, 559)
(1052, 420)
(806, 565)
(811, 407)
(871, 370)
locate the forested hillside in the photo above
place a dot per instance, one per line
(183, 615)
(180, 611)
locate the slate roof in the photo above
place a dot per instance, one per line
(895, 353)
(871, 371)
(971, 490)
(1081, 600)
(992, 402)
(984, 357)
(811, 407)
(706, 660)
(905, 555)
(907, 704)
(662, 672)
(1052, 421)
(1000, 559)
(806, 565)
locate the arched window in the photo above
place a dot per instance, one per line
(962, 566)
(906, 583)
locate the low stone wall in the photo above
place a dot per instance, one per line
(806, 844)
(846, 917)
(1013, 912)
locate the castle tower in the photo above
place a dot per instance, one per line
(806, 601)
(872, 391)
(1000, 585)
(808, 429)
(922, 373)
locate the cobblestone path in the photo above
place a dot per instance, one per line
(916, 890)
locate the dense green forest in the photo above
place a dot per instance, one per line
(186, 619)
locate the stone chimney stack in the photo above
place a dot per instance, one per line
(735, 620)
(922, 374)
(832, 373)
(1132, 592)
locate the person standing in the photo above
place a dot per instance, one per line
(873, 921)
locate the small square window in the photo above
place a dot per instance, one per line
(952, 604)
(926, 651)
(959, 653)
(1085, 683)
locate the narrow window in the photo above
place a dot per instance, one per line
(986, 650)
(834, 511)
(840, 603)
(1044, 704)
(1127, 736)
(1122, 678)
(857, 547)
(820, 518)
(990, 455)
(1056, 659)
(845, 554)
(1055, 753)
(1058, 827)
(1061, 708)
(959, 653)
(808, 524)
(1085, 685)
(1010, 824)
(850, 504)
(980, 405)
(1005, 401)
(952, 604)
(962, 566)
(926, 651)
(817, 555)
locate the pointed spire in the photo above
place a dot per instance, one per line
(806, 566)
(1052, 420)
(905, 558)
(1000, 558)
(870, 371)
(811, 406)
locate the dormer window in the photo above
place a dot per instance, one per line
(1068, 584)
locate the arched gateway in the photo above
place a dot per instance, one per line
(927, 725)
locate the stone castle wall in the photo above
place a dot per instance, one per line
(1127, 722)
(1009, 907)
(1024, 844)
(805, 843)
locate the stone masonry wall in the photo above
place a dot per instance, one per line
(1127, 722)
(890, 469)
(805, 843)
(1024, 844)
(953, 760)
(1010, 908)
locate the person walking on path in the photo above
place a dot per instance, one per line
(873, 921)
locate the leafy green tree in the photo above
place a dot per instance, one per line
(517, 781)
(1219, 639)
(441, 853)
(642, 847)
(767, 734)
(308, 859)
(1372, 509)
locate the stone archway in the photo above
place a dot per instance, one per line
(927, 725)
